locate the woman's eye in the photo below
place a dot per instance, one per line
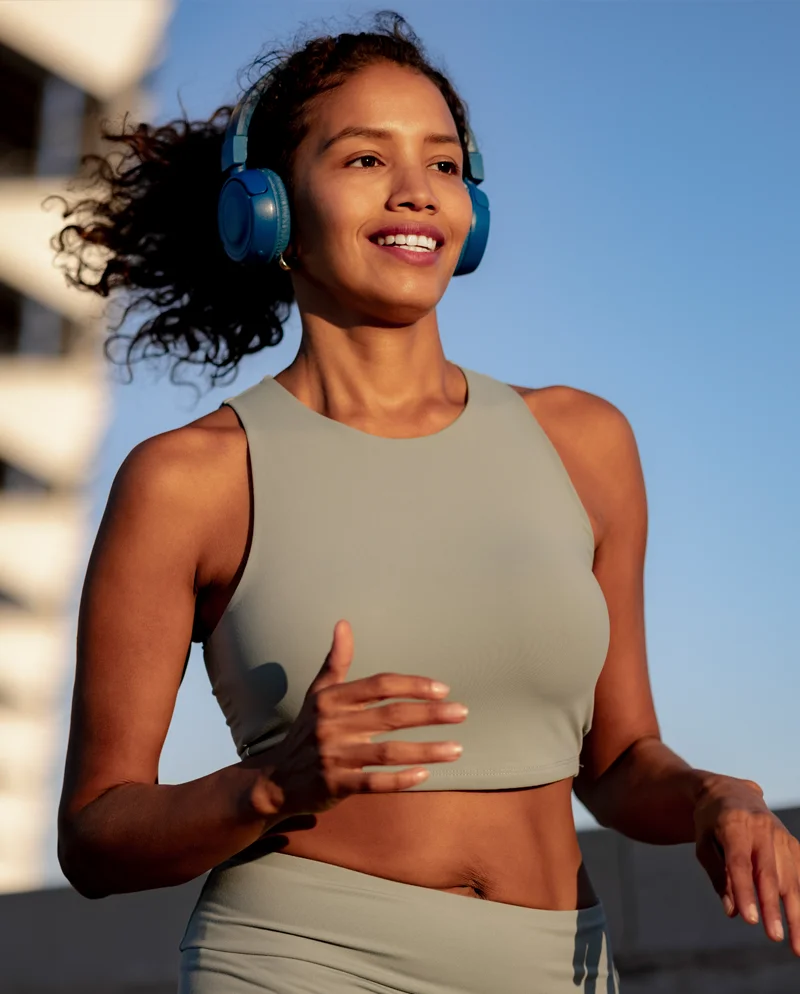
(369, 161)
(361, 158)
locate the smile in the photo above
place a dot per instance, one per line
(414, 250)
(415, 243)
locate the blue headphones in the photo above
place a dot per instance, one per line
(253, 209)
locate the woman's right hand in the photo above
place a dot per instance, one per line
(321, 760)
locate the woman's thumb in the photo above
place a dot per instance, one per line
(337, 662)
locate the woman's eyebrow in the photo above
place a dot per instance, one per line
(382, 134)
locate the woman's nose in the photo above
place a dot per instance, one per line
(413, 189)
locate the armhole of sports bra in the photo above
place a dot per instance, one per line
(253, 490)
(561, 469)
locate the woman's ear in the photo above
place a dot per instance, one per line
(290, 256)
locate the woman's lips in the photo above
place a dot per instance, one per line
(410, 257)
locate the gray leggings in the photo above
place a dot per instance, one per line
(288, 925)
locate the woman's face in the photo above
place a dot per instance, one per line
(381, 158)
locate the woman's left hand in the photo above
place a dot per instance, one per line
(745, 849)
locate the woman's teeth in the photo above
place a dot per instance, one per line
(413, 243)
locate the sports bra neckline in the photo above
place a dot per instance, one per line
(331, 424)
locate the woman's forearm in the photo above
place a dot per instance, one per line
(650, 794)
(137, 836)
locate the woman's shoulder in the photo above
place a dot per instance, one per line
(189, 467)
(576, 414)
(568, 402)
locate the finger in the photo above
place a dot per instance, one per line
(364, 723)
(765, 873)
(789, 872)
(359, 754)
(791, 904)
(739, 863)
(337, 662)
(359, 782)
(711, 858)
(380, 686)
(718, 871)
(728, 903)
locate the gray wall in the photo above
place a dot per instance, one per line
(668, 929)
(669, 932)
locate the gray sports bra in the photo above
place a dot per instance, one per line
(464, 556)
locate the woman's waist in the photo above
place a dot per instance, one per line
(511, 846)
(291, 907)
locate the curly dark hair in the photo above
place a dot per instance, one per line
(153, 212)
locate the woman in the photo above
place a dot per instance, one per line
(417, 522)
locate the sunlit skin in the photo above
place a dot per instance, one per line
(175, 537)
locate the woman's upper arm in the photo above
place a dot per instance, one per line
(623, 709)
(135, 621)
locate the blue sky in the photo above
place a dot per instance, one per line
(641, 164)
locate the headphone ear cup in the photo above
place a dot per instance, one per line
(253, 216)
(475, 243)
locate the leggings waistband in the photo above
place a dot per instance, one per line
(273, 923)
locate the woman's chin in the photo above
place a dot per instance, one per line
(401, 314)
(396, 303)
(408, 303)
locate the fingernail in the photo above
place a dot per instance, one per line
(727, 905)
(752, 914)
(777, 928)
(440, 688)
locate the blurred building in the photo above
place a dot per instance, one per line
(64, 65)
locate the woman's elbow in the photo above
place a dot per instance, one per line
(76, 864)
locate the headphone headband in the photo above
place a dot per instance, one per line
(234, 147)
(475, 159)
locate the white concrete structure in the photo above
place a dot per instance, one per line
(63, 65)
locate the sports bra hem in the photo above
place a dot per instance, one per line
(509, 770)
(512, 776)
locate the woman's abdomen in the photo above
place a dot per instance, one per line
(513, 846)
